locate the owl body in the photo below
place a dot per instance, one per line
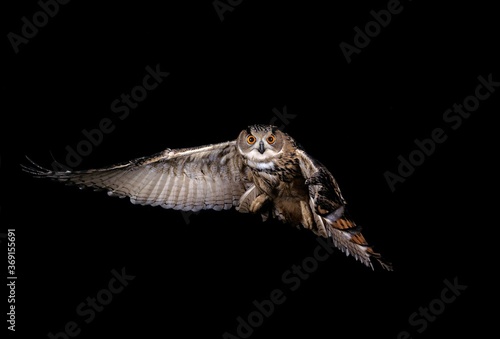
(277, 177)
(263, 171)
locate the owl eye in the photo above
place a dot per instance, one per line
(271, 139)
(251, 139)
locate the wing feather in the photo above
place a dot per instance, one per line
(323, 187)
(329, 212)
(199, 201)
(218, 196)
(152, 181)
(181, 190)
(228, 194)
(157, 188)
(191, 194)
(208, 202)
(143, 179)
(211, 176)
(173, 190)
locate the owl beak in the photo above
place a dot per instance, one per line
(261, 147)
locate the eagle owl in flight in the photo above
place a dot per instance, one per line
(263, 171)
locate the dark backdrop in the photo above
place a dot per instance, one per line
(196, 274)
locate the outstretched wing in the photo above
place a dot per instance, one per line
(191, 179)
(330, 217)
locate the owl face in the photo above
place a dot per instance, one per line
(260, 143)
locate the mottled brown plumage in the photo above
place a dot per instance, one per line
(263, 171)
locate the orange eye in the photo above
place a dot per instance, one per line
(251, 139)
(271, 139)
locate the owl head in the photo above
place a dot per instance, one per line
(261, 143)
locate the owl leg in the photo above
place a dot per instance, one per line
(307, 217)
(258, 203)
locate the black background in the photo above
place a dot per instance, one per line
(196, 279)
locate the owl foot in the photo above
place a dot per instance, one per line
(259, 202)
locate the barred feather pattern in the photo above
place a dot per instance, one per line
(190, 179)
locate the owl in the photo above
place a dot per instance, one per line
(263, 171)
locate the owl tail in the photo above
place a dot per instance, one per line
(347, 237)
